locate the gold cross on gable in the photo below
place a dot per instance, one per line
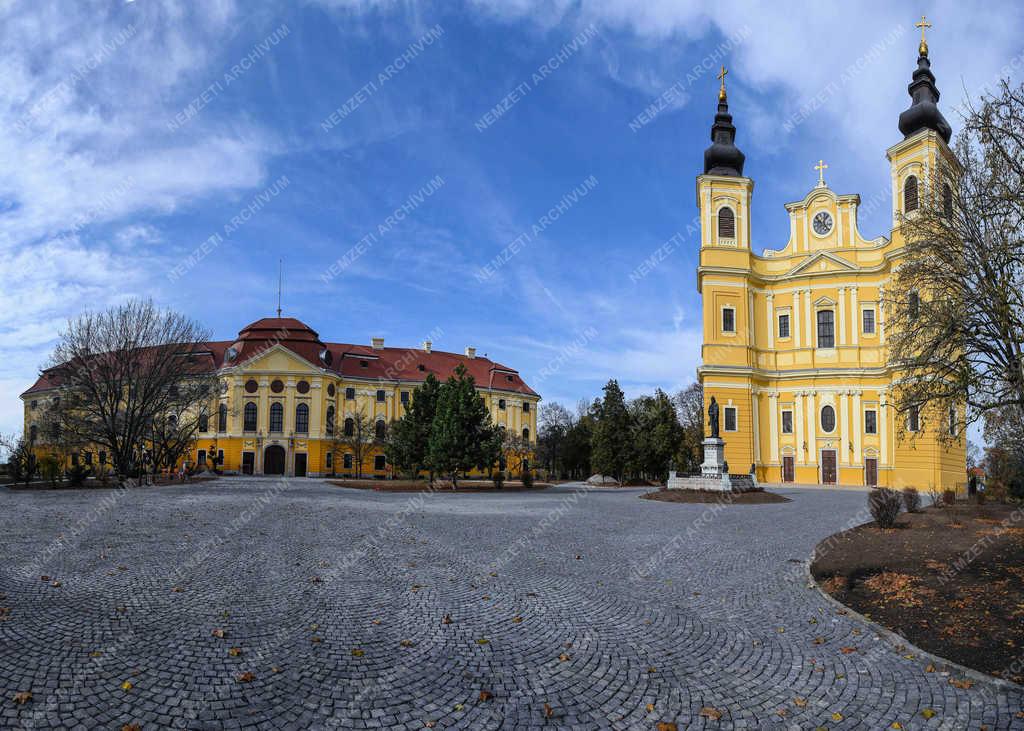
(923, 48)
(820, 167)
(721, 76)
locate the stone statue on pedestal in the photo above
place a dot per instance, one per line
(713, 417)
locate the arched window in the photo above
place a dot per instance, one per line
(726, 224)
(526, 433)
(204, 423)
(222, 418)
(350, 426)
(330, 420)
(380, 429)
(828, 419)
(302, 419)
(947, 201)
(33, 432)
(276, 418)
(249, 422)
(910, 194)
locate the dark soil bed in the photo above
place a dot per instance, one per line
(422, 485)
(950, 580)
(751, 497)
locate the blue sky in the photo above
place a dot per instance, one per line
(133, 133)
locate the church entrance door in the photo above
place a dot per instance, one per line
(273, 460)
(787, 469)
(828, 466)
(871, 472)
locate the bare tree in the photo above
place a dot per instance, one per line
(954, 308)
(122, 370)
(358, 435)
(690, 407)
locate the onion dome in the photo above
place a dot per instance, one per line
(924, 110)
(723, 157)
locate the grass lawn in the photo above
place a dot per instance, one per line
(439, 486)
(950, 580)
(751, 497)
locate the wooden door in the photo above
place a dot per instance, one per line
(787, 469)
(248, 462)
(828, 466)
(300, 465)
(273, 460)
(871, 472)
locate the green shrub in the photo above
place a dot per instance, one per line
(911, 499)
(884, 505)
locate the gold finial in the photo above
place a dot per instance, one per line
(922, 49)
(721, 91)
(820, 167)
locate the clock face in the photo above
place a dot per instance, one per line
(822, 223)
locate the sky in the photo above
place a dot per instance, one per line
(487, 173)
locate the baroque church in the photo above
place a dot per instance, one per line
(794, 345)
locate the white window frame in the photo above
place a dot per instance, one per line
(873, 410)
(789, 325)
(782, 421)
(725, 419)
(874, 321)
(721, 319)
(821, 419)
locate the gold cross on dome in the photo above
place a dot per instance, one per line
(820, 167)
(923, 48)
(721, 77)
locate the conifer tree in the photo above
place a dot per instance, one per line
(461, 435)
(612, 438)
(409, 437)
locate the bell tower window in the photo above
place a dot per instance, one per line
(910, 194)
(726, 224)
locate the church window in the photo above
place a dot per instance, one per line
(277, 386)
(826, 329)
(302, 387)
(526, 407)
(868, 319)
(346, 461)
(910, 194)
(947, 201)
(302, 419)
(330, 420)
(350, 394)
(204, 423)
(870, 421)
(251, 386)
(379, 462)
(783, 326)
(526, 432)
(828, 419)
(222, 418)
(914, 305)
(730, 418)
(276, 418)
(787, 422)
(501, 404)
(381, 395)
(380, 429)
(728, 320)
(350, 426)
(405, 398)
(249, 417)
(914, 419)
(726, 224)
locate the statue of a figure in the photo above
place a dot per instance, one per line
(713, 417)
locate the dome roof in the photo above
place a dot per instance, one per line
(280, 329)
(924, 109)
(723, 157)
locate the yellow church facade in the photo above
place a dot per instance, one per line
(794, 348)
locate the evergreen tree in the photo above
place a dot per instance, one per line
(461, 435)
(409, 437)
(658, 435)
(611, 441)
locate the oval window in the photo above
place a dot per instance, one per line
(277, 386)
(302, 386)
(330, 390)
(828, 418)
(251, 386)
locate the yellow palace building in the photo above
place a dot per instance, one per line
(288, 401)
(794, 345)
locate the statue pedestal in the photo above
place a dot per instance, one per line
(714, 457)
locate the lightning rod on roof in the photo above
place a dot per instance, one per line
(280, 268)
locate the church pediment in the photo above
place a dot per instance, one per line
(822, 262)
(278, 359)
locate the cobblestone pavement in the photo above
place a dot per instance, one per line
(356, 609)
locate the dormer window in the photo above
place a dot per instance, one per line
(364, 364)
(726, 224)
(910, 194)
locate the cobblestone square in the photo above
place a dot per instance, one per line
(262, 603)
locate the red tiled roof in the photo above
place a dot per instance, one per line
(345, 359)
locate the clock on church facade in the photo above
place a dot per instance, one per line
(795, 337)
